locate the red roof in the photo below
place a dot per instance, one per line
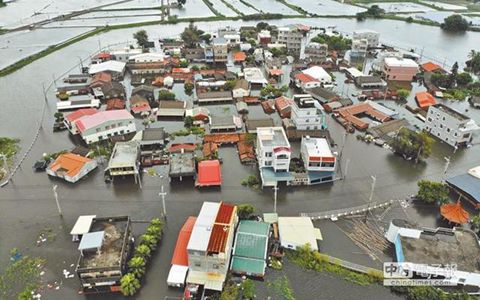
(103, 55)
(101, 117)
(80, 113)
(218, 238)
(141, 107)
(430, 67)
(239, 56)
(180, 70)
(276, 72)
(425, 99)
(180, 254)
(209, 173)
(115, 103)
(455, 213)
(179, 147)
(225, 213)
(305, 78)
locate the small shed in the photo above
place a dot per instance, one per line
(209, 173)
(298, 231)
(81, 227)
(91, 240)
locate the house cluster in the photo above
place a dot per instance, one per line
(216, 244)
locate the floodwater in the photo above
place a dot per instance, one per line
(327, 7)
(272, 6)
(402, 7)
(27, 205)
(223, 9)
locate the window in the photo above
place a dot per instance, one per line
(268, 154)
(215, 266)
(268, 163)
(429, 119)
(466, 135)
(198, 264)
(282, 156)
(441, 125)
(448, 129)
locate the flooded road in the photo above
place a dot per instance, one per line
(27, 205)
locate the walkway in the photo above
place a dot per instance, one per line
(331, 214)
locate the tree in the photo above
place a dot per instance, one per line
(476, 222)
(248, 288)
(277, 52)
(272, 91)
(143, 251)
(184, 64)
(188, 88)
(431, 191)
(244, 211)
(191, 35)
(338, 43)
(195, 68)
(464, 79)
(188, 122)
(412, 145)
(230, 84)
(206, 38)
(141, 37)
(403, 93)
(455, 23)
(136, 266)
(149, 240)
(262, 26)
(129, 284)
(166, 95)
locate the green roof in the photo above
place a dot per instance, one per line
(254, 227)
(248, 266)
(250, 245)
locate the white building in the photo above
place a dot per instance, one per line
(241, 89)
(449, 125)
(316, 52)
(296, 232)
(273, 149)
(316, 155)
(319, 74)
(295, 37)
(148, 58)
(105, 124)
(220, 49)
(307, 113)
(233, 39)
(124, 54)
(362, 40)
(210, 245)
(255, 77)
(116, 68)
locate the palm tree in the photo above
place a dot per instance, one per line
(149, 240)
(143, 251)
(472, 54)
(129, 284)
(137, 266)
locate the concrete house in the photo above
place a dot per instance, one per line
(241, 89)
(71, 167)
(399, 69)
(105, 124)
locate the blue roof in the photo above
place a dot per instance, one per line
(91, 240)
(468, 184)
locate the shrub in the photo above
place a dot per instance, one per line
(137, 266)
(143, 251)
(129, 284)
(244, 211)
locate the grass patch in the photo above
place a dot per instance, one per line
(20, 278)
(314, 260)
(282, 289)
(8, 147)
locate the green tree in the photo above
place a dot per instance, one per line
(166, 95)
(188, 122)
(476, 222)
(142, 38)
(337, 43)
(272, 91)
(143, 251)
(188, 88)
(191, 35)
(184, 64)
(248, 289)
(262, 26)
(277, 52)
(464, 78)
(431, 191)
(455, 23)
(412, 145)
(244, 211)
(230, 84)
(195, 68)
(403, 93)
(206, 37)
(473, 63)
(129, 284)
(149, 240)
(136, 266)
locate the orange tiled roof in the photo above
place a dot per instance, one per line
(430, 67)
(69, 163)
(455, 213)
(239, 56)
(425, 99)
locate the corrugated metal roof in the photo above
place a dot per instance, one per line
(180, 254)
(218, 238)
(468, 184)
(203, 226)
(209, 173)
(248, 266)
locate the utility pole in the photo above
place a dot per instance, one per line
(275, 190)
(346, 168)
(56, 200)
(447, 164)
(372, 189)
(163, 194)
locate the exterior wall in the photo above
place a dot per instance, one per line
(294, 40)
(308, 85)
(279, 161)
(316, 53)
(399, 73)
(307, 118)
(445, 127)
(359, 48)
(105, 130)
(373, 38)
(220, 53)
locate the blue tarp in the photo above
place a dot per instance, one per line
(468, 184)
(399, 250)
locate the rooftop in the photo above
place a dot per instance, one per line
(298, 231)
(317, 147)
(209, 173)
(90, 121)
(180, 255)
(182, 164)
(272, 136)
(71, 117)
(153, 134)
(124, 154)
(400, 62)
(451, 112)
(203, 226)
(253, 124)
(68, 163)
(443, 247)
(468, 183)
(108, 66)
(254, 75)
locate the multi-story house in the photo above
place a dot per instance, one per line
(210, 245)
(295, 37)
(399, 69)
(273, 149)
(307, 113)
(105, 124)
(220, 50)
(318, 160)
(449, 125)
(264, 37)
(316, 52)
(124, 54)
(362, 40)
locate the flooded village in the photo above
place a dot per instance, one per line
(239, 150)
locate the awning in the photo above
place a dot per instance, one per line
(318, 234)
(92, 240)
(82, 225)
